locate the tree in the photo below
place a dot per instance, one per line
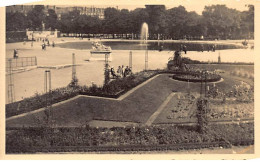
(51, 19)
(15, 21)
(194, 26)
(247, 22)
(110, 24)
(124, 24)
(138, 17)
(69, 22)
(157, 19)
(36, 17)
(176, 19)
(89, 25)
(220, 20)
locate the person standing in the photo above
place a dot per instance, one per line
(123, 70)
(202, 48)
(126, 71)
(119, 71)
(185, 49)
(213, 48)
(181, 47)
(15, 53)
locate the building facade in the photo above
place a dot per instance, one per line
(59, 10)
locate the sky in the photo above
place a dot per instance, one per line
(197, 6)
(190, 5)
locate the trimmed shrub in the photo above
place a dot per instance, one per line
(129, 138)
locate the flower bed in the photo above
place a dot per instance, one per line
(196, 77)
(182, 109)
(134, 138)
(242, 92)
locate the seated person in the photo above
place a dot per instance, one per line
(113, 73)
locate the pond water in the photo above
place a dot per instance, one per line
(137, 45)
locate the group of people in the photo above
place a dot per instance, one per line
(209, 48)
(121, 71)
(46, 42)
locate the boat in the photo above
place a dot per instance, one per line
(99, 52)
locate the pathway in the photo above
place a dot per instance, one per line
(159, 110)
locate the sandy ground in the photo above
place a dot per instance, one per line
(27, 83)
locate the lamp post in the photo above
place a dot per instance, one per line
(47, 89)
(201, 74)
(205, 73)
(106, 73)
(130, 60)
(146, 57)
(189, 87)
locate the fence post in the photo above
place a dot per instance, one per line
(36, 61)
(130, 60)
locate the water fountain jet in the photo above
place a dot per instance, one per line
(144, 37)
(144, 32)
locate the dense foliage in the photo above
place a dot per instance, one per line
(216, 21)
(146, 138)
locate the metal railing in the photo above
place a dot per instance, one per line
(21, 62)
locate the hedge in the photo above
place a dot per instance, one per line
(30, 140)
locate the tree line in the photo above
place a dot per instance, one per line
(216, 22)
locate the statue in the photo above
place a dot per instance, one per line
(177, 59)
(177, 62)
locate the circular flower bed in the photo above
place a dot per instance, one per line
(197, 77)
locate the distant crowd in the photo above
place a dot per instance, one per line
(121, 71)
(46, 42)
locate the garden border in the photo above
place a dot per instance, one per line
(125, 148)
